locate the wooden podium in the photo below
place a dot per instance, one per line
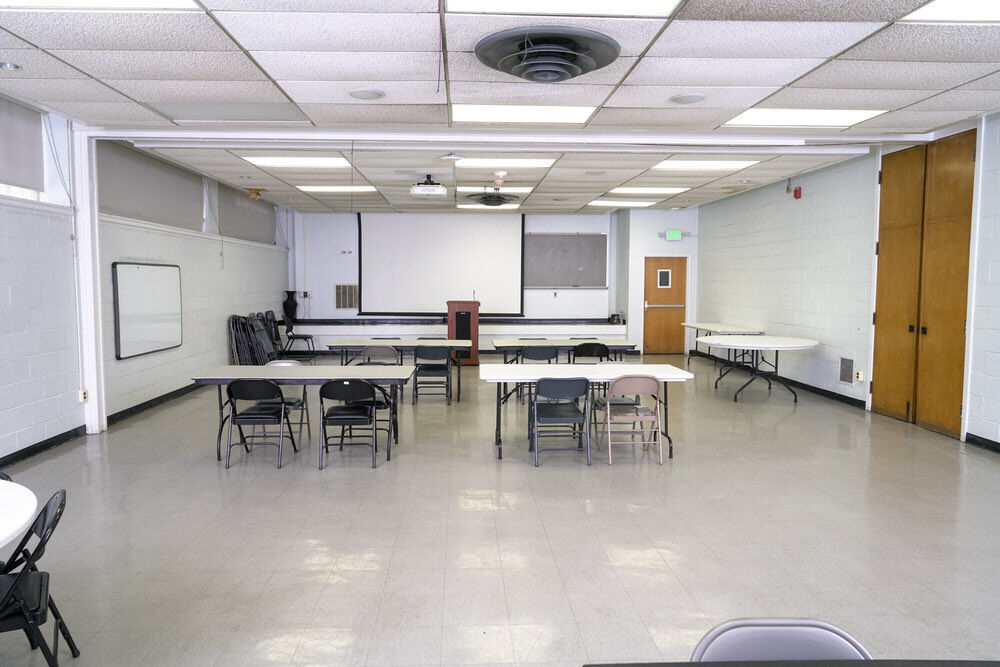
(463, 324)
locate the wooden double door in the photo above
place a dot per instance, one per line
(922, 282)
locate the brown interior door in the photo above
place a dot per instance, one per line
(897, 293)
(665, 305)
(944, 282)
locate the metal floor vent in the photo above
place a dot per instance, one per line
(846, 370)
(547, 54)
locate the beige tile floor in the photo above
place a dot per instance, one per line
(445, 555)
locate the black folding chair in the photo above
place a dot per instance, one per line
(560, 408)
(24, 590)
(268, 408)
(354, 404)
(433, 370)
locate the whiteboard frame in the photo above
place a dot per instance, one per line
(114, 286)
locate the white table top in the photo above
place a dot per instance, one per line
(400, 342)
(613, 343)
(17, 510)
(305, 374)
(721, 328)
(758, 342)
(593, 372)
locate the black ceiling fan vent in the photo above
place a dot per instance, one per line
(547, 54)
(493, 198)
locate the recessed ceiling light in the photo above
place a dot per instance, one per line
(503, 190)
(504, 163)
(488, 208)
(648, 191)
(519, 113)
(705, 165)
(687, 98)
(576, 8)
(366, 94)
(336, 188)
(621, 203)
(803, 117)
(10, 67)
(298, 162)
(451, 156)
(957, 11)
(99, 4)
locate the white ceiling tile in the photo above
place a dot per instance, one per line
(930, 43)
(663, 119)
(244, 124)
(696, 72)
(465, 66)
(625, 160)
(911, 121)
(559, 94)
(338, 92)
(349, 66)
(353, 6)
(192, 65)
(842, 98)
(119, 31)
(110, 112)
(758, 39)
(596, 174)
(216, 92)
(974, 101)
(798, 10)
(36, 64)
(990, 82)
(660, 179)
(715, 97)
(61, 90)
(376, 113)
(305, 31)
(233, 112)
(894, 75)
(9, 41)
(465, 30)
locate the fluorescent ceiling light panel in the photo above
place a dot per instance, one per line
(503, 189)
(517, 113)
(565, 7)
(705, 165)
(621, 203)
(489, 208)
(98, 4)
(648, 191)
(803, 117)
(336, 188)
(298, 162)
(504, 163)
(957, 11)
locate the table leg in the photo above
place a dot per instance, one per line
(458, 369)
(727, 369)
(499, 442)
(755, 357)
(666, 423)
(783, 383)
(222, 422)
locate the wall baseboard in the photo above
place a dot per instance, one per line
(151, 403)
(42, 446)
(980, 441)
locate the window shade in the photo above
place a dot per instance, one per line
(21, 159)
(134, 185)
(243, 218)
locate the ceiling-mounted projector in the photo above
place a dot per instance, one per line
(428, 188)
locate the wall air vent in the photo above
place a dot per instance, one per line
(547, 54)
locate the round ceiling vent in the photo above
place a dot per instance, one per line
(547, 54)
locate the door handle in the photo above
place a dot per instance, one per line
(923, 331)
(912, 328)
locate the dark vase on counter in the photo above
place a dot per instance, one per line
(290, 306)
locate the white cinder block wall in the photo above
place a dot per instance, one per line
(800, 268)
(39, 349)
(984, 379)
(219, 277)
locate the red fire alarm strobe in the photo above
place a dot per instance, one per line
(797, 193)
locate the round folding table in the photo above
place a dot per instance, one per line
(17, 510)
(755, 346)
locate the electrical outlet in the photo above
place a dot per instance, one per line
(859, 376)
(307, 295)
(82, 396)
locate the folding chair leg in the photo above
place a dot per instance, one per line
(281, 440)
(50, 659)
(61, 624)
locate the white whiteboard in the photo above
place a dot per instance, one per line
(414, 263)
(147, 308)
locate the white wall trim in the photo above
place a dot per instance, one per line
(34, 205)
(871, 330)
(189, 233)
(970, 306)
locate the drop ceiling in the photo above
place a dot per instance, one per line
(229, 79)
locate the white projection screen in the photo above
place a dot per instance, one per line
(147, 308)
(413, 264)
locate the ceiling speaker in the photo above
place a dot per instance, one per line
(547, 54)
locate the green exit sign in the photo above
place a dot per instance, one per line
(673, 234)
